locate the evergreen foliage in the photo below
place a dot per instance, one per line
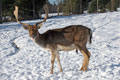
(26, 8)
(31, 9)
(103, 5)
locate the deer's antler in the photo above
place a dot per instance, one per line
(45, 18)
(16, 16)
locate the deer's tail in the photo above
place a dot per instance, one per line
(90, 36)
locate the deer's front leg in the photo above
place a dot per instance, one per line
(59, 64)
(53, 56)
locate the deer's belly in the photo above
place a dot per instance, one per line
(66, 48)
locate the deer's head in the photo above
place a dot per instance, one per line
(33, 29)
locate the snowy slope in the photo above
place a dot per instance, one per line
(22, 59)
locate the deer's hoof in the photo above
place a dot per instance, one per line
(51, 72)
(83, 69)
(61, 70)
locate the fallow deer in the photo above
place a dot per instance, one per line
(63, 39)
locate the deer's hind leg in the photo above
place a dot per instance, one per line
(86, 55)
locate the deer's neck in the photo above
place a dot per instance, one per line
(39, 39)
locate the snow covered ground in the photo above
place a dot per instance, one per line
(22, 59)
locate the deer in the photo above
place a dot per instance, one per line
(63, 39)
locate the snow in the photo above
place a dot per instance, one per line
(52, 14)
(22, 59)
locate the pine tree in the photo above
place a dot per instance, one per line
(114, 5)
(66, 10)
(98, 5)
(73, 6)
(28, 9)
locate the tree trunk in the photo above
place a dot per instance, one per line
(58, 11)
(0, 11)
(58, 7)
(111, 5)
(34, 9)
(81, 6)
(119, 3)
(113, 8)
(97, 6)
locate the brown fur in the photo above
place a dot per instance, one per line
(65, 39)
(62, 39)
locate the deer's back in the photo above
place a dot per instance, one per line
(67, 35)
